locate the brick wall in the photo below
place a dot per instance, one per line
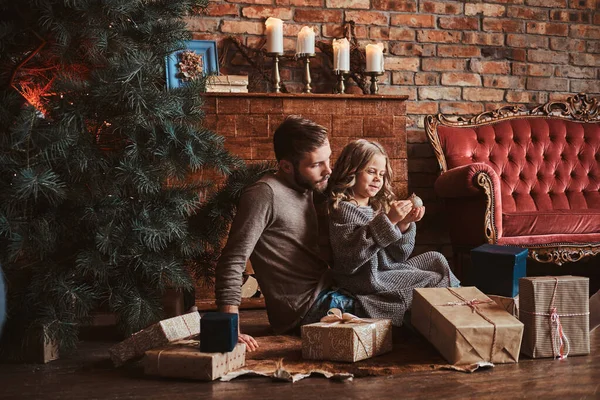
(454, 57)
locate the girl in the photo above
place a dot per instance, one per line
(372, 236)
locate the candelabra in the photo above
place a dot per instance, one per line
(306, 77)
(374, 88)
(276, 77)
(340, 87)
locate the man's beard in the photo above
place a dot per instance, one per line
(308, 184)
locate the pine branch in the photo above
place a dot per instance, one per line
(211, 222)
(95, 202)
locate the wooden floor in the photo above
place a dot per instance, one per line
(90, 375)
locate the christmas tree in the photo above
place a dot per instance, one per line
(98, 207)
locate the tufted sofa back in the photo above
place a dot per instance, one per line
(543, 163)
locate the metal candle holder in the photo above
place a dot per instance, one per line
(276, 77)
(306, 77)
(374, 88)
(340, 88)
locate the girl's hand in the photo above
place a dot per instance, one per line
(415, 215)
(399, 209)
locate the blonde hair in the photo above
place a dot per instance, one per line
(355, 158)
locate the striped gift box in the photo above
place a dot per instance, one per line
(555, 312)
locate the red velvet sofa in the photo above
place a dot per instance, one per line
(520, 176)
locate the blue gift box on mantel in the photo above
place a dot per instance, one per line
(497, 269)
(218, 332)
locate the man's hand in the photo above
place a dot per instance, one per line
(250, 342)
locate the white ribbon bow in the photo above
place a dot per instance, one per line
(335, 315)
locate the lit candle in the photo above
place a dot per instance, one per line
(274, 35)
(341, 54)
(306, 41)
(375, 57)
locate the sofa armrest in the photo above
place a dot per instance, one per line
(473, 180)
(460, 182)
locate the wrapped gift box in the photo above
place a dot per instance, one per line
(159, 334)
(218, 332)
(497, 269)
(227, 84)
(466, 326)
(40, 348)
(546, 302)
(184, 360)
(510, 304)
(350, 341)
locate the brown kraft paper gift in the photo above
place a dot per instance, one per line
(159, 334)
(510, 304)
(347, 338)
(466, 326)
(555, 311)
(183, 359)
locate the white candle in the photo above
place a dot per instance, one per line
(274, 35)
(375, 57)
(306, 41)
(341, 54)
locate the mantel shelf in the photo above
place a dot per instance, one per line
(309, 95)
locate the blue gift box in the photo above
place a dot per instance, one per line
(497, 269)
(218, 332)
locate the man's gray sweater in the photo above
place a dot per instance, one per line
(276, 227)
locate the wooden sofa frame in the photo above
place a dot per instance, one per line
(580, 108)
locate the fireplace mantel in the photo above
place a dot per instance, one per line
(248, 120)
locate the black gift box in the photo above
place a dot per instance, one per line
(218, 332)
(497, 269)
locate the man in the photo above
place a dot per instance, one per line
(276, 227)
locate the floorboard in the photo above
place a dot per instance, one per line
(90, 375)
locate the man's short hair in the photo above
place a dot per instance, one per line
(297, 136)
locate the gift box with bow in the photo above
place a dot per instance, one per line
(555, 311)
(466, 326)
(346, 337)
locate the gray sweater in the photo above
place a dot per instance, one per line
(371, 260)
(276, 227)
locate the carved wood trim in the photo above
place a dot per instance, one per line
(561, 254)
(579, 108)
(484, 181)
(431, 124)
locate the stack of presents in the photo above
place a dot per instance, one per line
(535, 316)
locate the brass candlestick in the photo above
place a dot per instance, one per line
(374, 88)
(276, 77)
(340, 88)
(306, 77)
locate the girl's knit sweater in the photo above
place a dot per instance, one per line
(371, 260)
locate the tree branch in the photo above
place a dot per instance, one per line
(245, 52)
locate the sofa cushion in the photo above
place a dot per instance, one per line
(543, 163)
(582, 221)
